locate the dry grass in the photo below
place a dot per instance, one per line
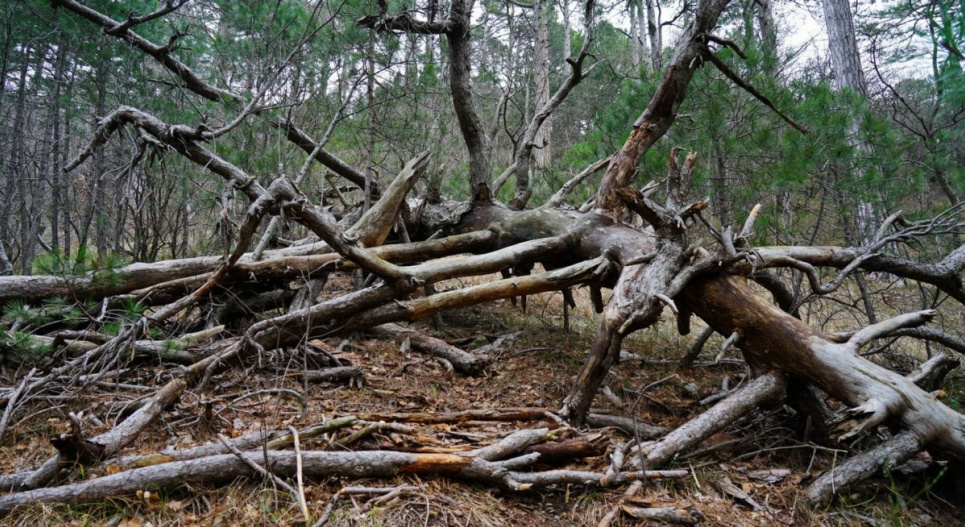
(535, 369)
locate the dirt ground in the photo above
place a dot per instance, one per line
(768, 457)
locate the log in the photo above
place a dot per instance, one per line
(172, 350)
(223, 468)
(569, 449)
(774, 340)
(628, 425)
(885, 456)
(374, 226)
(762, 389)
(485, 414)
(271, 440)
(462, 362)
(111, 441)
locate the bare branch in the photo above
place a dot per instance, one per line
(169, 7)
(557, 198)
(727, 43)
(886, 327)
(193, 82)
(715, 60)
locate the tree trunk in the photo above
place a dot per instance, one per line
(54, 168)
(767, 35)
(16, 160)
(543, 9)
(662, 109)
(843, 45)
(774, 340)
(460, 82)
(656, 38)
(848, 75)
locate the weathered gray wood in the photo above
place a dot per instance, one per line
(765, 388)
(840, 477)
(461, 361)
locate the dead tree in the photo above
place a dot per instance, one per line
(649, 270)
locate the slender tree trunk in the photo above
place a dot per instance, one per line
(767, 35)
(460, 82)
(540, 147)
(56, 174)
(845, 58)
(95, 177)
(567, 40)
(633, 9)
(15, 160)
(370, 173)
(846, 62)
(656, 38)
(30, 180)
(6, 267)
(719, 187)
(67, 196)
(543, 152)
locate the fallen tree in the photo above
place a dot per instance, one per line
(649, 271)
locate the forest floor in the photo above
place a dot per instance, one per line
(766, 456)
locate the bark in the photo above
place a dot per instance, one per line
(317, 465)
(883, 457)
(460, 82)
(848, 75)
(544, 148)
(768, 36)
(57, 187)
(376, 223)
(843, 45)
(774, 340)
(688, 515)
(638, 46)
(654, 31)
(662, 109)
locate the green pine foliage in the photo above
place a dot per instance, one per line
(312, 60)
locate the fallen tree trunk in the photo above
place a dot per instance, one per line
(883, 457)
(362, 464)
(743, 401)
(774, 340)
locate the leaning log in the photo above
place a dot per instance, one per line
(776, 341)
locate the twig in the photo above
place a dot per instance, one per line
(731, 340)
(12, 401)
(302, 400)
(258, 468)
(715, 60)
(298, 474)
